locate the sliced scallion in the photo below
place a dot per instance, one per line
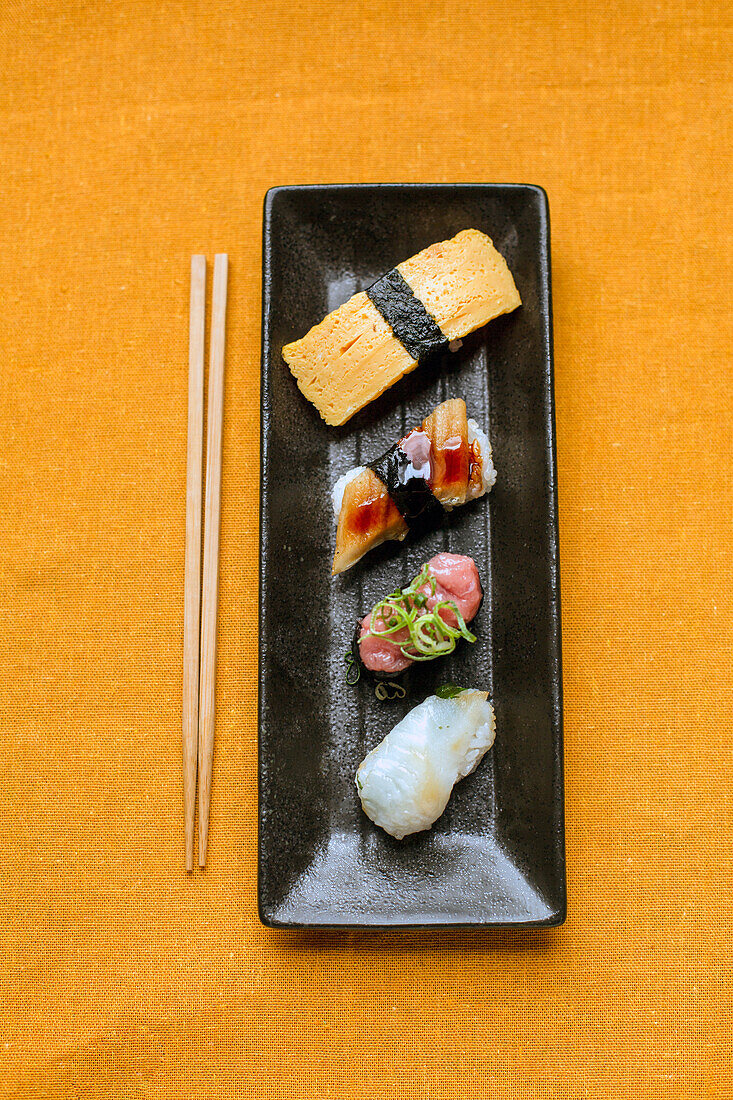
(351, 667)
(429, 635)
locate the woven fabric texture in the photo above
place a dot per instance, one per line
(135, 134)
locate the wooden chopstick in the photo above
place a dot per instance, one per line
(210, 588)
(192, 583)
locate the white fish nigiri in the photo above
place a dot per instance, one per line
(405, 782)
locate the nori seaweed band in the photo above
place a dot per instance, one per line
(412, 495)
(412, 325)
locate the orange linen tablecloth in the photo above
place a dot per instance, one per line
(136, 133)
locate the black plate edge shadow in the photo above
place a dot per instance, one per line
(363, 922)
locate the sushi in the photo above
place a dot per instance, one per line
(445, 462)
(422, 621)
(418, 310)
(405, 782)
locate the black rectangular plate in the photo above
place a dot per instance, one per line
(496, 856)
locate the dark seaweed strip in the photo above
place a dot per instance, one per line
(413, 326)
(412, 495)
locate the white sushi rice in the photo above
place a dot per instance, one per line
(340, 486)
(488, 472)
(405, 782)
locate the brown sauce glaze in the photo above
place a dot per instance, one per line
(474, 468)
(406, 471)
(451, 464)
(376, 514)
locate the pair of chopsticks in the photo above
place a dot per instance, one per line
(201, 593)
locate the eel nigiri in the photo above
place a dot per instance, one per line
(418, 310)
(445, 462)
(405, 782)
(424, 620)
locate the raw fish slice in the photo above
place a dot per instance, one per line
(405, 782)
(450, 577)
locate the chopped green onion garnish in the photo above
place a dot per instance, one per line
(429, 635)
(351, 667)
(449, 691)
(389, 690)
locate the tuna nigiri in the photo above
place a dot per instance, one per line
(422, 621)
(405, 782)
